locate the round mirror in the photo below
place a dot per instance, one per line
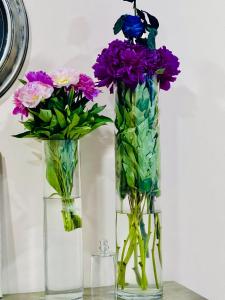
(14, 36)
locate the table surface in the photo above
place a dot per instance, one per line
(172, 291)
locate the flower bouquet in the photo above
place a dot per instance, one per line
(138, 70)
(58, 110)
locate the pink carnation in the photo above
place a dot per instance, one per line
(64, 77)
(19, 107)
(87, 86)
(31, 94)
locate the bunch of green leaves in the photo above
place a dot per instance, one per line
(61, 158)
(63, 116)
(137, 140)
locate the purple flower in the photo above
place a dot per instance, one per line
(131, 63)
(87, 86)
(39, 76)
(124, 61)
(169, 63)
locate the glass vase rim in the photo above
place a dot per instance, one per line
(60, 140)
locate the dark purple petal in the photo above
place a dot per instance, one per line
(164, 85)
(170, 64)
(39, 76)
(20, 110)
(123, 61)
(87, 86)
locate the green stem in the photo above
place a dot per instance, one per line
(135, 7)
(71, 220)
(121, 264)
(144, 281)
(138, 246)
(159, 239)
(153, 258)
(136, 270)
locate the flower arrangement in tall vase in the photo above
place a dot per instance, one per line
(56, 109)
(137, 70)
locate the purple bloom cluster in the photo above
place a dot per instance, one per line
(131, 63)
(170, 64)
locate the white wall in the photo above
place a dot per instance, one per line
(71, 33)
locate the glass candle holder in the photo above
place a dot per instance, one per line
(103, 270)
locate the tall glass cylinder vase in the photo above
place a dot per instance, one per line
(62, 220)
(139, 258)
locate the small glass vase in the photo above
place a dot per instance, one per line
(62, 220)
(138, 226)
(103, 271)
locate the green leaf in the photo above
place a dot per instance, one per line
(72, 125)
(77, 221)
(43, 133)
(118, 25)
(130, 153)
(97, 109)
(22, 81)
(151, 38)
(71, 96)
(160, 71)
(54, 122)
(83, 117)
(57, 136)
(45, 115)
(26, 134)
(143, 101)
(34, 113)
(68, 111)
(129, 175)
(103, 119)
(60, 117)
(74, 121)
(129, 136)
(145, 185)
(78, 110)
(29, 124)
(119, 118)
(79, 132)
(52, 177)
(55, 102)
(153, 22)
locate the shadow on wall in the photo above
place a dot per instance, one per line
(8, 246)
(175, 106)
(77, 36)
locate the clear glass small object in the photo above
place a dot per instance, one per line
(103, 270)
